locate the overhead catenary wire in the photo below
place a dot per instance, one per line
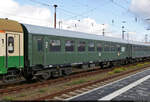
(67, 11)
(72, 14)
(46, 4)
(81, 4)
(84, 14)
(128, 10)
(137, 17)
(41, 3)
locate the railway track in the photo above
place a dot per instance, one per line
(50, 82)
(70, 92)
(59, 80)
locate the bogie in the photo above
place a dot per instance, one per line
(12, 76)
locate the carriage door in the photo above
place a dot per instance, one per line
(38, 50)
(129, 50)
(12, 50)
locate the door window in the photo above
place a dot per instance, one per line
(10, 44)
(39, 45)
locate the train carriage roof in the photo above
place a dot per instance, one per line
(32, 29)
(10, 25)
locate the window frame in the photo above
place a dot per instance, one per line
(99, 48)
(72, 46)
(91, 48)
(118, 46)
(54, 48)
(107, 48)
(81, 46)
(113, 48)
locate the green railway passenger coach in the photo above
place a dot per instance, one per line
(42, 52)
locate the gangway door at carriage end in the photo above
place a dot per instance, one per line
(13, 51)
(2, 50)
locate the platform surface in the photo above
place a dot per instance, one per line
(134, 87)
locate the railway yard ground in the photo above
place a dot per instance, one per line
(89, 85)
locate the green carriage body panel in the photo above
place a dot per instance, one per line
(2, 65)
(46, 57)
(13, 62)
(139, 51)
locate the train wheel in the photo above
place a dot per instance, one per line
(46, 75)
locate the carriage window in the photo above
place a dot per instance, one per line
(135, 48)
(10, 44)
(99, 47)
(54, 45)
(106, 48)
(112, 48)
(69, 45)
(40, 45)
(81, 46)
(91, 46)
(139, 48)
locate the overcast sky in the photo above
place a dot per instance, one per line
(84, 15)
